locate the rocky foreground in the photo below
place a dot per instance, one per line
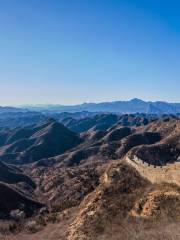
(122, 182)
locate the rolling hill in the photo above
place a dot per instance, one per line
(28, 145)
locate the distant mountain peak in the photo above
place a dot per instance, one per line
(136, 100)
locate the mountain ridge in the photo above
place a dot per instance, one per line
(134, 105)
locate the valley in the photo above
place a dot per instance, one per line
(88, 180)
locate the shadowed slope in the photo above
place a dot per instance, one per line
(47, 140)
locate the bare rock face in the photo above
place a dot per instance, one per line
(162, 203)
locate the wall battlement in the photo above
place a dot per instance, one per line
(168, 173)
(140, 161)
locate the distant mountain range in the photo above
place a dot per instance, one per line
(132, 106)
(121, 107)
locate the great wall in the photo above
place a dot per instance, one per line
(140, 161)
(169, 173)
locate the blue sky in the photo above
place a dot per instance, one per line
(74, 51)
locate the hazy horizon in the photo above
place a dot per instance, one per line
(70, 52)
(74, 104)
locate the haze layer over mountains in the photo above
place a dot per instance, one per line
(133, 106)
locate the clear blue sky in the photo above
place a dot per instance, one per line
(73, 51)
